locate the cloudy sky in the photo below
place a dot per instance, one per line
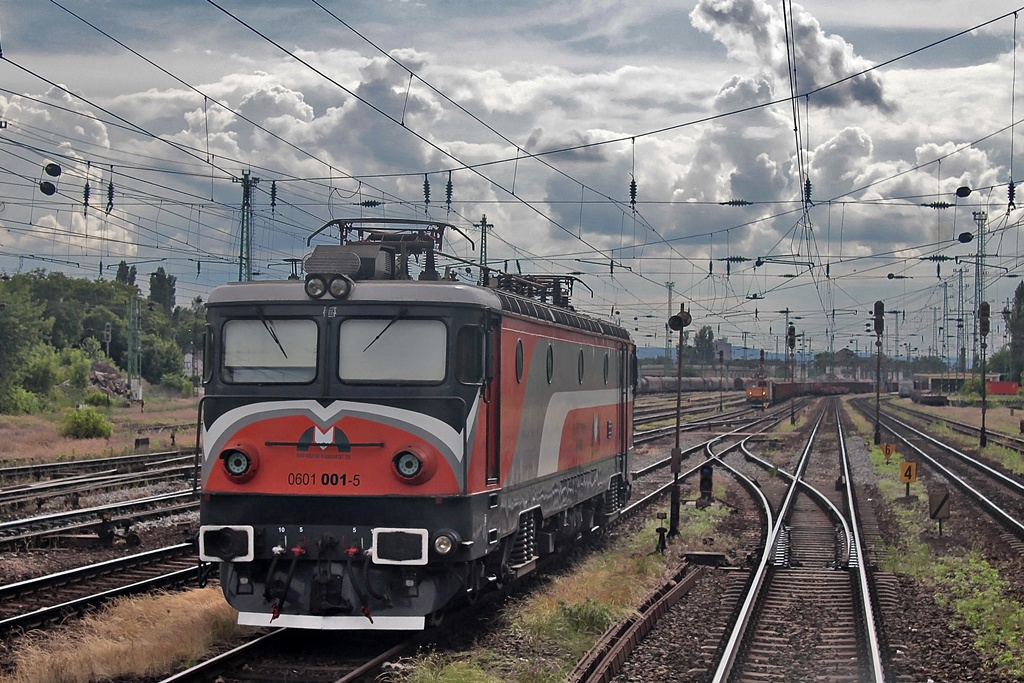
(541, 114)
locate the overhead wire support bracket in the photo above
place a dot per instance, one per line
(790, 260)
(611, 264)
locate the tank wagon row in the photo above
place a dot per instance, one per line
(378, 448)
(658, 385)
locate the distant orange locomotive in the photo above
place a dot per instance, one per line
(377, 448)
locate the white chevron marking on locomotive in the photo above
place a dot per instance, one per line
(554, 421)
(429, 428)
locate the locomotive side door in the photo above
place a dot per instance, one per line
(627, 383)
(492, 400)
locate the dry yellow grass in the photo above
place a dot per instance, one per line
(138, 636)
(36, 437)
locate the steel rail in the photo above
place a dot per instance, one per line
(1009, 482)
(98, 509)
(867, 602)
(62, 609)
(87, 465)
(664, 462)
(732, 646)
(56, 488)
(1002, 516)
(224, 659)
(834, 512)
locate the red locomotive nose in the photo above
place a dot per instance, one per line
(241, 461)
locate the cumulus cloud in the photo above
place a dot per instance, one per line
(754, 32)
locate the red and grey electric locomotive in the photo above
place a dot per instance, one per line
(377, 448)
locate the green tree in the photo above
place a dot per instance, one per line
(22, 328)
(824, 363)
(161, 289)
(1001, 362)
(159, 357)
(928, 365)
(125, 275)
(704, 345)
(41, 371)
(75, 364)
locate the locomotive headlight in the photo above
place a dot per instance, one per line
(316, 287)
(236, 463)
(408, 464)
(445, 542)
(240, 462)
(340, 286)
(413, 464)
(443, 545)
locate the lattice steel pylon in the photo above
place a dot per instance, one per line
(483, 225)
(135, 348)
(245, 234)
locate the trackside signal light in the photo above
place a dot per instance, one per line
(879, 317)
(791, 337)
(984, 311)
(680, 320)
(706, 480)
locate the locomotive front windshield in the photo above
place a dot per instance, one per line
(271, 351)
(392, 350)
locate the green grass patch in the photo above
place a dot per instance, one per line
(974, 589)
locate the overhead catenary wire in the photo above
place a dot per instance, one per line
(722, 228)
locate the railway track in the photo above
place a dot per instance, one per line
(66, 468)
(1014, 443)
(274, 671)
(804, 612)
(42, 601)
(52, 598)
(68, 491)
(809, 611)
(100, 521)
(997, 493)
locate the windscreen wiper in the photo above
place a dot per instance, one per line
(401, 313)
(270, 329)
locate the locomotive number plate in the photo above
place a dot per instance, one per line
(329, 479)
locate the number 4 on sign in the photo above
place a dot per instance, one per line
(908, 474)
(888, 450)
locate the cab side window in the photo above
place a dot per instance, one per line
(469, 354)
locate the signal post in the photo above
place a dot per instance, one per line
(879, 328)
(677, 322)
(791, 343)
(983, 327)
